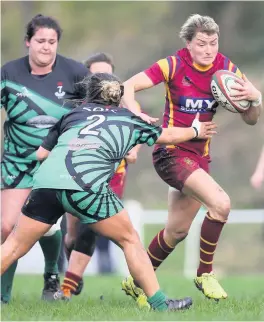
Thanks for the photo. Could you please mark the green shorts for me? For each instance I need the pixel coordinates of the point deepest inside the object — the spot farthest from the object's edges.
(48, 205)
(18, 174)
(18, 166)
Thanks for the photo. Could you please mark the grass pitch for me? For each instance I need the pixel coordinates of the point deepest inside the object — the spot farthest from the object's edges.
(245, 302)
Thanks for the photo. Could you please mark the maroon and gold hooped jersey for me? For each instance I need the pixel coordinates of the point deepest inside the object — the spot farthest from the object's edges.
(188, 93)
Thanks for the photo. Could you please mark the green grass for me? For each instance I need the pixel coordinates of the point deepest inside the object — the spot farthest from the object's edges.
(245, 302)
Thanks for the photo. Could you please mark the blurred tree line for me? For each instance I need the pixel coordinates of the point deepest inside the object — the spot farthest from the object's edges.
(139, 33)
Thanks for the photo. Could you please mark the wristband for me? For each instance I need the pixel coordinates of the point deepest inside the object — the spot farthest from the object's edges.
(196, 132)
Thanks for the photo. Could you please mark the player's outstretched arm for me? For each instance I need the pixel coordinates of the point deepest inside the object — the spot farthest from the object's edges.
(42, 153)
(199, 130)
(134, 84)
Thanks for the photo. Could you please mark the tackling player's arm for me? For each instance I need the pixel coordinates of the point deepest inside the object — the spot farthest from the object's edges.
(199, 130)
(151, 134)
(49, 142)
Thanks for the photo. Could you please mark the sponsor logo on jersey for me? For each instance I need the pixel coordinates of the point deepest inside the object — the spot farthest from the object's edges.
(42, 121)
(194, 105)
(81, 144)
(24, 93)
(60, 93)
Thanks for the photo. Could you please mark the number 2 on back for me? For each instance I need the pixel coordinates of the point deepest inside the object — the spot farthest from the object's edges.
(88, 129)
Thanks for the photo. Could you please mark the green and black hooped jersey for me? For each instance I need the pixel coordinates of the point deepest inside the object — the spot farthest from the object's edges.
(33, 104)
(87, 146)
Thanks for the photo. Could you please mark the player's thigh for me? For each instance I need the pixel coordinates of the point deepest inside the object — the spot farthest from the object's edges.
(12, 201)
(26, 233)
(104, 212)
(174, 166)
(118, 228)
(204, 188)
(182, 209)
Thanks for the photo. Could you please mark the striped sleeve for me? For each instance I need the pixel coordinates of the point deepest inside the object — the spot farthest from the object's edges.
(228, 65)
(163, 70)
(146, 133)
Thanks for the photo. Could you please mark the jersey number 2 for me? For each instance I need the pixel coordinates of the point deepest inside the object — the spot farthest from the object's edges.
(88, 129)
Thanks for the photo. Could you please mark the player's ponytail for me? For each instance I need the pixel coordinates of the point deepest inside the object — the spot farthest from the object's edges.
(111, 92)
(100, 88)
(103, 88)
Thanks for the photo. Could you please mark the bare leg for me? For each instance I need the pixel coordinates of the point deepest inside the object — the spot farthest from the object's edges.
(72, 230)
(26, 233)
(78, 263)
(12, 200)
(182, 210)
(119, 228)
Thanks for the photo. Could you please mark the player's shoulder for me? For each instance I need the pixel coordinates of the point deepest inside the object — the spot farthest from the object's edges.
(222, 60)
(170, 60)
(73, 66)
(225, 63)
(221, 57)
(12, 65)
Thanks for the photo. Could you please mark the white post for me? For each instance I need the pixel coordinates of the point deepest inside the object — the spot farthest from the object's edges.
(135, 212)
(192, 246)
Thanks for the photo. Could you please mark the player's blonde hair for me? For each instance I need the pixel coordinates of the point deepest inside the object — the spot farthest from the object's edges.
(197, 23)
(101, 88)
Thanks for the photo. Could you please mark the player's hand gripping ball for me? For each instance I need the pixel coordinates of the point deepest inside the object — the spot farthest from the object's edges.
(221, 87)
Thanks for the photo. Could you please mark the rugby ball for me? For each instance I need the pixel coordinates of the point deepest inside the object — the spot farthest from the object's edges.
(221, 83)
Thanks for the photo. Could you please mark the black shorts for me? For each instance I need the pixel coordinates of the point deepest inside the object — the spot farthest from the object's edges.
(48, 205)
(43, 205)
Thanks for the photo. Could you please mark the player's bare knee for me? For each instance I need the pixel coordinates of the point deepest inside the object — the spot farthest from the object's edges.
(69, 240)
(221, 208)
(130, 238)
(6, 230)
(176, 235)
(13, 247)
(19, 251)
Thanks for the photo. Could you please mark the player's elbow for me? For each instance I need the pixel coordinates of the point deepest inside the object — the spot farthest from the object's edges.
(129, 85)
(251, 121)
(42, 154)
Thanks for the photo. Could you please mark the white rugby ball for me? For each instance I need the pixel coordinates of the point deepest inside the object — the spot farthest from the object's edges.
(221, 83)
